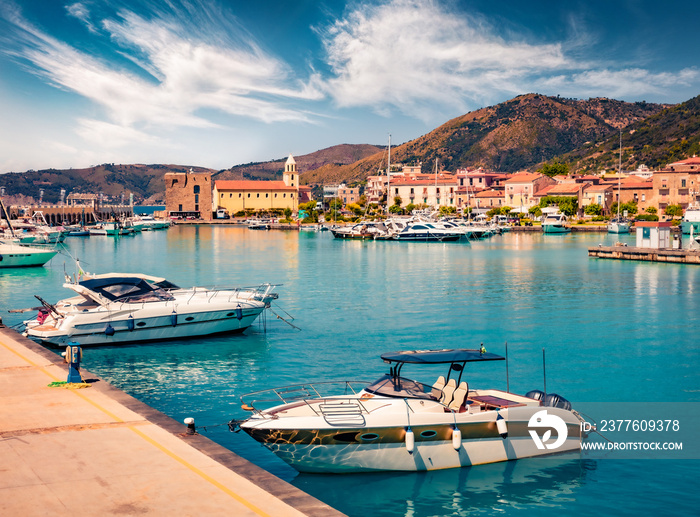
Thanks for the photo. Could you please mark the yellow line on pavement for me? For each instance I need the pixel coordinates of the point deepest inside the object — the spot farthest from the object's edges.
(197, 471)
(153, 442)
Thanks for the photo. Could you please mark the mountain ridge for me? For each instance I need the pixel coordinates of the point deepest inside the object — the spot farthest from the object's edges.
(519, 134)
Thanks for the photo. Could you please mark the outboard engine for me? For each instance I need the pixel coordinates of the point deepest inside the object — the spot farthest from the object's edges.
(554, 400)
(535, 395)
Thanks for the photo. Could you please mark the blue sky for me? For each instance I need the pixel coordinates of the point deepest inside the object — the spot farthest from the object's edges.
(218, 83)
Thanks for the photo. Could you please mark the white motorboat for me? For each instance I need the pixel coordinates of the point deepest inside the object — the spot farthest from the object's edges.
(555, 223)
(16, 255)
(120, 308)
(619, 225)
(424, 231)
(148, 222)
(360, 231)
(396, 423)
(691, 219)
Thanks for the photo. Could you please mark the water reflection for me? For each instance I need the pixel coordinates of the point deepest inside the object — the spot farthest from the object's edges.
(486, 489)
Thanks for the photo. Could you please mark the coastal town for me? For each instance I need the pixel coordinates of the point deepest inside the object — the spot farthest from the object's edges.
(370, 258)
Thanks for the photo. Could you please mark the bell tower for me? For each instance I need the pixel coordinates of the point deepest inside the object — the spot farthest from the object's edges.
(291, 177)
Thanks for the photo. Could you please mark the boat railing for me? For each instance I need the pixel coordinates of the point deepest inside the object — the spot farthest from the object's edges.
(258, 401)
(262, 292)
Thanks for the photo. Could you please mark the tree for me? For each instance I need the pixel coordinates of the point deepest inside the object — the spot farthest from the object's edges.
(630, 206)
(308, 207)
(287, 213)
(397, 201)
(445, 210)
(355, 208)
(593, 209)
(568, 205)
(396, 209)
(335, 204)
(674, 210)
(651, 210)
(554, 169)
(505, 210)
(535, 211)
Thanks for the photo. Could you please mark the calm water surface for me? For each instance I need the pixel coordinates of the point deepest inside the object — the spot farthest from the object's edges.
(613, 331)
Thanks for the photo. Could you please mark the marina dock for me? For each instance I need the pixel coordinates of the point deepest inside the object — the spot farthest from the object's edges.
(676, 256)
(101, 451)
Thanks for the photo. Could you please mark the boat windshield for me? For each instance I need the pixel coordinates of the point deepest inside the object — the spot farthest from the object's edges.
(127, 290)
(401, 387)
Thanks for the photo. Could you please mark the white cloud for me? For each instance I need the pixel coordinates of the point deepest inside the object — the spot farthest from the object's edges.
(82, 13)
(183, 73)
(619, 84)
(111, 136)
(423, 59)
(414, 53)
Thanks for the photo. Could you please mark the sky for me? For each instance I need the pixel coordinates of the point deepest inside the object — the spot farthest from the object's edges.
(217, 83)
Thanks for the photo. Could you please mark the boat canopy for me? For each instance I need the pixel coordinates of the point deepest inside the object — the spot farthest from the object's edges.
(125, 289)
(457, 355)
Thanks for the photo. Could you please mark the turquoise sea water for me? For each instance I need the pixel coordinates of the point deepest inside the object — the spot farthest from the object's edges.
(613, 332)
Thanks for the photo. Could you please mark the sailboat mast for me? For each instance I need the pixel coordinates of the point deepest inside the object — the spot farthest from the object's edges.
(437, 200)
(619, 174)
(388, 168)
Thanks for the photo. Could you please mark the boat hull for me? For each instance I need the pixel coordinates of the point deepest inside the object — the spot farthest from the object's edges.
(427, 237)
(92, 330)
(18, 256)
(376, 448)
(555, 229)
(618, 228)
(687, 225)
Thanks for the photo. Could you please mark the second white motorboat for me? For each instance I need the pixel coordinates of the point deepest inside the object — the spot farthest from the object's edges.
(120, 308)
(396, 423)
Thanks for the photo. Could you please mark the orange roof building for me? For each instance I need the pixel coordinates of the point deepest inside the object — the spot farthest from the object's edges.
(244, 195)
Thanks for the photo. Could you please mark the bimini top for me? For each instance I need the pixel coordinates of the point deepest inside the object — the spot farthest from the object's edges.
(456, 355)
(123, 289)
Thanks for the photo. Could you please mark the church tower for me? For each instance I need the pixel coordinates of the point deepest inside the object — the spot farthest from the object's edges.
(291, 177)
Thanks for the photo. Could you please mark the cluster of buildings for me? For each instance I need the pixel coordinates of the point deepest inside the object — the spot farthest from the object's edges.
(676, 184)
(195, 195)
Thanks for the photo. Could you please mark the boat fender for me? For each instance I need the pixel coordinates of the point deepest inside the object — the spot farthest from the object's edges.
(502, 426)
(410, 441)
(456, 438)
(0, 258)
(109, 330)
(239, 312)
(173, 318)
(130, 323)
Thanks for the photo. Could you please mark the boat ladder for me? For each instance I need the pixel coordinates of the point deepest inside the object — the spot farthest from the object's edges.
(342, 413)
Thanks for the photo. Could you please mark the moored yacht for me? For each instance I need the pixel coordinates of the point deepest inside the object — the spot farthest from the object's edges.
(397, 423)
(555, 223)
(120, 308)
(13, 254)
(691, 219)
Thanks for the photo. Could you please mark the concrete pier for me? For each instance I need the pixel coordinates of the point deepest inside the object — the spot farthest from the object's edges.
(675, 256)
(99, 451)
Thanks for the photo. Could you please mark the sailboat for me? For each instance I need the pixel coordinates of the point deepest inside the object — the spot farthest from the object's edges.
(619, 224)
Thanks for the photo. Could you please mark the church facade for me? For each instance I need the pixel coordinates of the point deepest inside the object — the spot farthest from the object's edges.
(240, 195)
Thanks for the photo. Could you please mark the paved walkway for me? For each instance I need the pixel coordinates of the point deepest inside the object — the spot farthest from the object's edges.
(99, 451)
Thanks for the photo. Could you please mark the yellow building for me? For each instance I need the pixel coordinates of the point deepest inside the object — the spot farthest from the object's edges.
(240, 195)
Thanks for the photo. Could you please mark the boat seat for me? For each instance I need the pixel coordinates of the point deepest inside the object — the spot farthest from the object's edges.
(458, 397)
(448, 392)
(437, 387)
